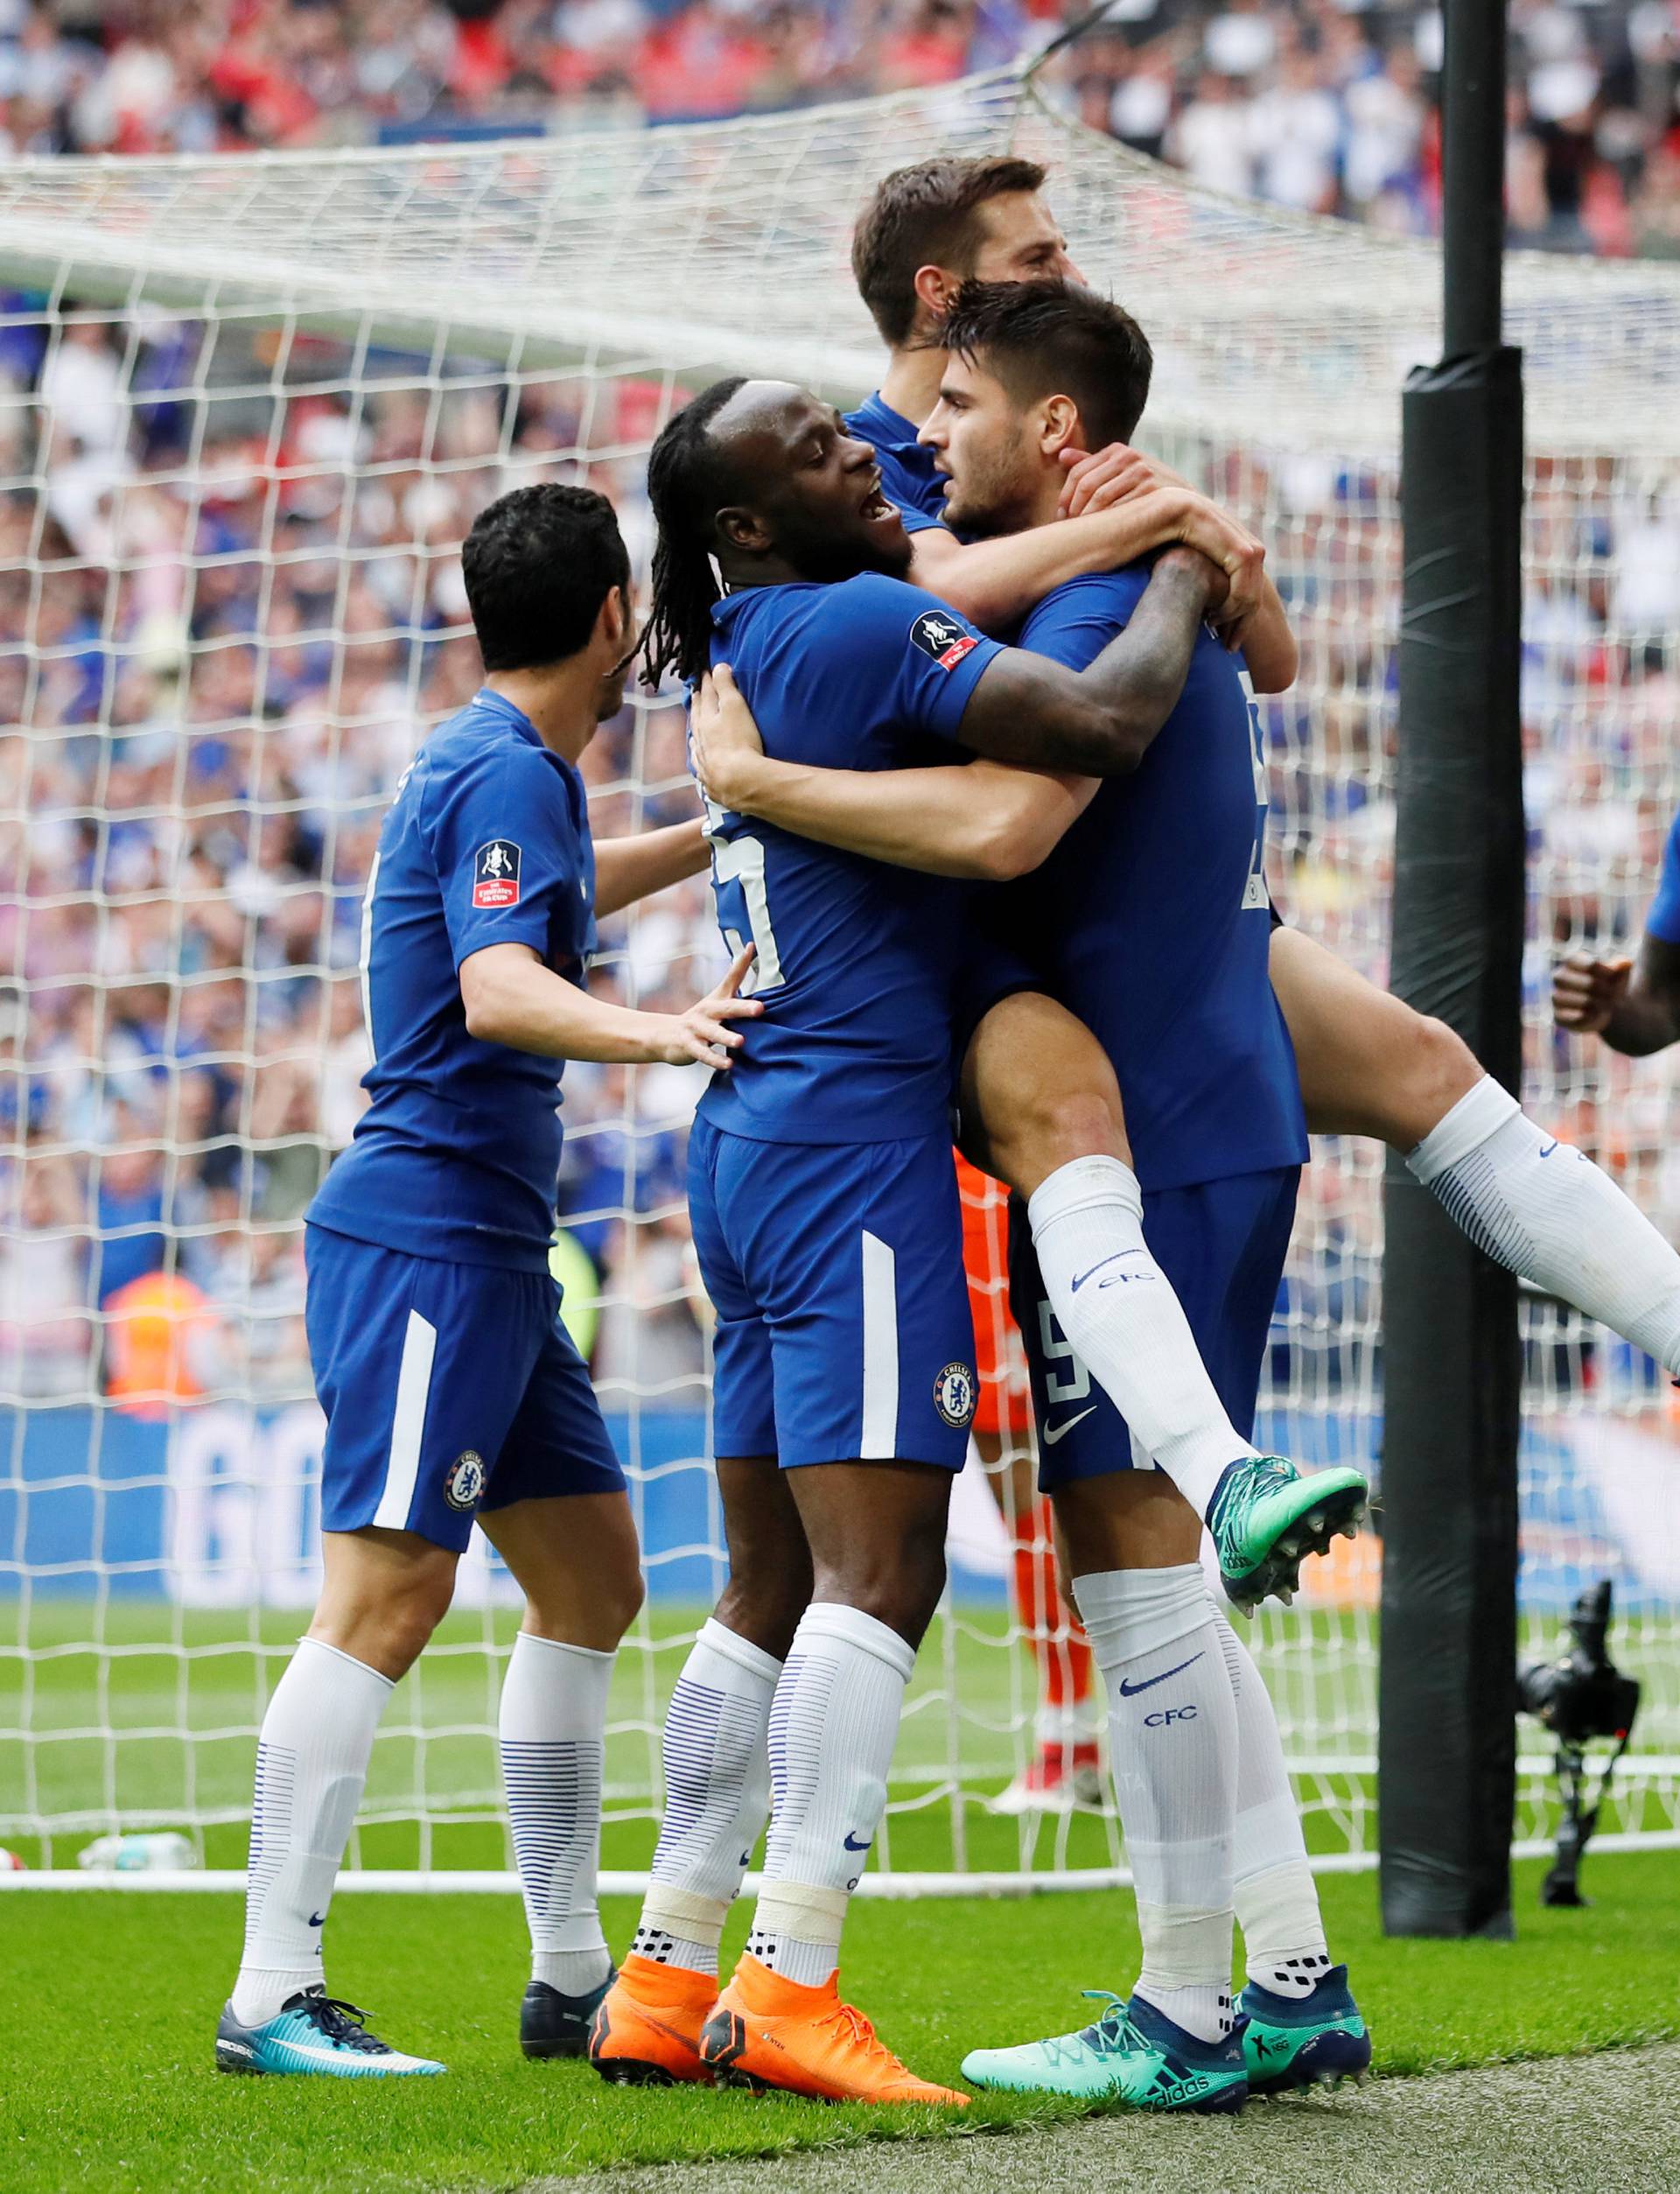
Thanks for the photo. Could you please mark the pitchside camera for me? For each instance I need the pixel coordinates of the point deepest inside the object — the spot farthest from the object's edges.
(1579, 1698)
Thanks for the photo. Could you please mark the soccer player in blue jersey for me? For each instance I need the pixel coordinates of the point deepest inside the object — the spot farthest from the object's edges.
(451, 1390)
(1368, 1063)
(824, 1210)
(1149, 920)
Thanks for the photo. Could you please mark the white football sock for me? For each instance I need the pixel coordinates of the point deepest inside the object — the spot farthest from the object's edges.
(312, 1762)
(1544, 1211)
(1172, 1738)
(717, 1760)
(552, 1734)
(1276, 1896)
(1118, 1310)
(833, 1726)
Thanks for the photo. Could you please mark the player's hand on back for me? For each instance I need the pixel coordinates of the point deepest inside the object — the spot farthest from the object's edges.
(702, 1033)
(724, 739)
(1587, 991)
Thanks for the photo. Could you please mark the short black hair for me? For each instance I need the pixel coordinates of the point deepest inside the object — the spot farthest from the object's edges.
(924, 216)
(1056, 338)
(538, 564)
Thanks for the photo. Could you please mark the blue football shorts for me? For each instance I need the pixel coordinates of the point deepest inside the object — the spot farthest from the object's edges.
(836, 1271)
(448, 1389)
(1222, 1245)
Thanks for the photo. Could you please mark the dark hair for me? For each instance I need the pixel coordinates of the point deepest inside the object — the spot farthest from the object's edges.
(1048, 339)
(538, 564)
(924, 216)
(689, 481)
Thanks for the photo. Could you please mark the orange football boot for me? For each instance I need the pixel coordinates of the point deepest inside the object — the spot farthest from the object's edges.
(646, 2030)
(769, 2032)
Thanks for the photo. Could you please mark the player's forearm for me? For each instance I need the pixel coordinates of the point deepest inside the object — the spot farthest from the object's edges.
(633, 868)
(520, 1002)
(1269, 645)
(995, 583)
(1642, 1023)
(985, 821)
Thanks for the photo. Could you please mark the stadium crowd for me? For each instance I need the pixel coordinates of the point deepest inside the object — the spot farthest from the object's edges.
(1326, 106)
(288, 588)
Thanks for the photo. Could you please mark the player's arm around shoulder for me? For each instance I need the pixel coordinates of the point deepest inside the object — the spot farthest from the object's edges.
(510, 998)
(1100, 721)
(986, 820)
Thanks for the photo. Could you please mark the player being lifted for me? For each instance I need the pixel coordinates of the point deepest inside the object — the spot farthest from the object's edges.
(823, 1209)
(450, 1389)
(1150, 920)
(1369, 1064)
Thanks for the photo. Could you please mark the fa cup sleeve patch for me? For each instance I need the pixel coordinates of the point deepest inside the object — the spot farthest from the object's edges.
(495, 874)
(940, 634)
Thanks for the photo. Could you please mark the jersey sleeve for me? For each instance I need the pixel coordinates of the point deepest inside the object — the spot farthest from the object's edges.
(508, 853)
(1074, 625)
(927, 657)
(1663, 919)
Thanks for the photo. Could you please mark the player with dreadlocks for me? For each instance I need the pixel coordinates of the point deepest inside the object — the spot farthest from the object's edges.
(825, 1217)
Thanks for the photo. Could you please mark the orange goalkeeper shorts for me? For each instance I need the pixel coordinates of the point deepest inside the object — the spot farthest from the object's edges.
(1004, 1404)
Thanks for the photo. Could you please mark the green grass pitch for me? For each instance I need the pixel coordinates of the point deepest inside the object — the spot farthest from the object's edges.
(108, 2004)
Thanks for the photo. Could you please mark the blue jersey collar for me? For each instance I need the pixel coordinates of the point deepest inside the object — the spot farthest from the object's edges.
(515, 720)
(875, 409)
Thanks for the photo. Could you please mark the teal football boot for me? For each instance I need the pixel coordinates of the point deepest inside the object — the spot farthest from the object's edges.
(314, 2034)
(1266, 1518)
(1302, 2041)
(1135, 2057)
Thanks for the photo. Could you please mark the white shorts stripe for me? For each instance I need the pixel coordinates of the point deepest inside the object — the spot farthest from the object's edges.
(880, 1441)
(408, 1424)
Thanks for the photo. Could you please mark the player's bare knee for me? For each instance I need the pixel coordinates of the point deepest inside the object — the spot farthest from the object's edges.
(763, 1602)
(900, 1588)
(1426, 1069)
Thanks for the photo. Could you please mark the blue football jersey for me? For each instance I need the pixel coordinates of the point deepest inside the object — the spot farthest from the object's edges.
(856, 960)
(1151, 920)
(1663, 919)
(907, 475)
(486, 842)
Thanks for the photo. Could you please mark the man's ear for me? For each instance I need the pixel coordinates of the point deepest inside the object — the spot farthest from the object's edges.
(934, 289)
(612, 625)
(1059, 427)
(741, 529)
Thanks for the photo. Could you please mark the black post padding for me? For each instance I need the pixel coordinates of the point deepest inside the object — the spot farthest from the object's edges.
(1452, 1363)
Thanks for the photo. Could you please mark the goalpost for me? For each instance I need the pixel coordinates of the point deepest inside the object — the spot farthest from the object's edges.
(247, 407)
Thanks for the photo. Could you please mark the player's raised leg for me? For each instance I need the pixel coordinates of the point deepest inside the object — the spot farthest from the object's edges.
(575, 1559)
(1133, 1543)
(717, 1770)
(1371, 1065)
(1045, 1100)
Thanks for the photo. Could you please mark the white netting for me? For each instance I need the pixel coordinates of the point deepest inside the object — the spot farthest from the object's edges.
(247, 408)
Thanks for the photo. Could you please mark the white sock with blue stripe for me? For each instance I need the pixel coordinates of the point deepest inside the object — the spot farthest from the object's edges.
(311, 1763)
(1127, 1326)
(553, 1743)
(716, 1765)
(832, 1729)
(1542, 1209)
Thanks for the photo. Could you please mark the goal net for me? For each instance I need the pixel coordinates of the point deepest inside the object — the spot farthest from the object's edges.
(247, 409)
